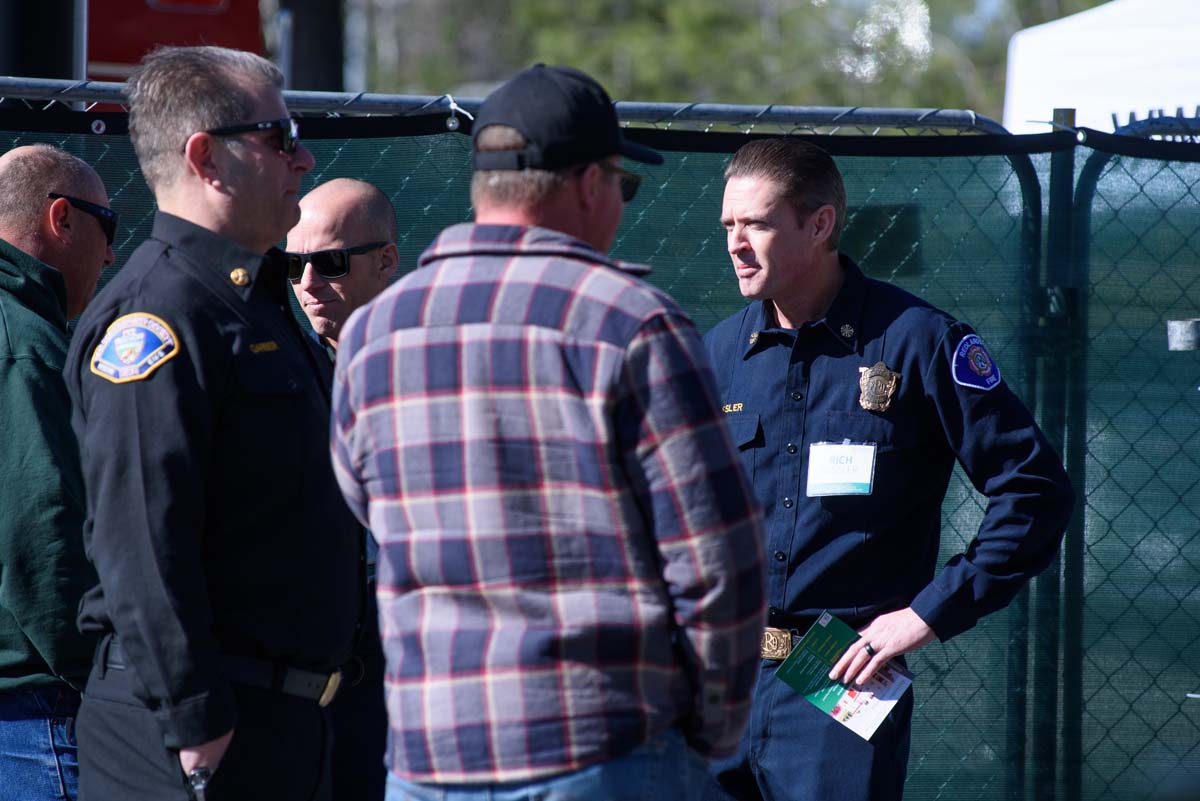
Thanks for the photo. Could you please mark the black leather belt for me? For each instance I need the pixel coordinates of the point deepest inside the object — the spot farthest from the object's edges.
(319, 687)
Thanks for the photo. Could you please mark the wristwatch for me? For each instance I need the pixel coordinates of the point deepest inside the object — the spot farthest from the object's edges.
(198, 780)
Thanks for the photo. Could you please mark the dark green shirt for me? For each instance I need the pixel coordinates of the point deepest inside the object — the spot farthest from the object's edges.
(43, 570)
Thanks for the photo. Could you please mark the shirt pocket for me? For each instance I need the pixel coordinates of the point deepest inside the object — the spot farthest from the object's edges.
(863, 427)
(748, 437)
(266, 418)
(259, 380)
(901, 464)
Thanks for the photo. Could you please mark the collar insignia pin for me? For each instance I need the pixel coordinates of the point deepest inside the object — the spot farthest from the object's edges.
(240, 276)
(847, 331)
(876, 387)
(753, 337)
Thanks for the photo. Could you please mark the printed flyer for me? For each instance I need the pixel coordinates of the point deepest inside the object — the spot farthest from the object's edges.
(806, 670)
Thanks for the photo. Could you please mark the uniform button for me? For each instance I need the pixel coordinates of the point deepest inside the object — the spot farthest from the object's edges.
(797, 396)
(787, 503)
(780, 556)
(772, 610)
(292, 385)
(791, 447)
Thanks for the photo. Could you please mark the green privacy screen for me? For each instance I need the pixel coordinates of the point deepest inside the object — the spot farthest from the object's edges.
(1068, 258)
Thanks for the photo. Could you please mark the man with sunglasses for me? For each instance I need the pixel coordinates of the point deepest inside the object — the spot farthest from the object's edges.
(340, 255)
(570, 580)
(229, 568)
(53, 246)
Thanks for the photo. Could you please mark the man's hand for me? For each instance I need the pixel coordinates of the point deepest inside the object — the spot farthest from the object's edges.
(888, 636)
(207, 755)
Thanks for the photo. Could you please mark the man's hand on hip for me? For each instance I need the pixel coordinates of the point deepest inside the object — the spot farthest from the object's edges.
(887, 636)
(207, 755)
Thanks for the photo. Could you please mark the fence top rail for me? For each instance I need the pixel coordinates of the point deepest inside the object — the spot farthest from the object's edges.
(334, 103)
(1187, 128)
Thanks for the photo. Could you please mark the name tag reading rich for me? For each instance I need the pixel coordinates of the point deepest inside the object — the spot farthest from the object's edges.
(840, 469)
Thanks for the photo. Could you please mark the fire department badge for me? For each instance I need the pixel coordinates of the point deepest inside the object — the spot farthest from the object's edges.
(876, 387)
(973, 366)
(129, 345)
(133, 347)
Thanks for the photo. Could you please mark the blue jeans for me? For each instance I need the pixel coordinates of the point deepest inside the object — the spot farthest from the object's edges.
(38, 756)
(664, 769)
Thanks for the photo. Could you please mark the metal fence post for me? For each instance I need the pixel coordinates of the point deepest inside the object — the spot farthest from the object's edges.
(1017, 662)
(1057, 318)
(1076, 459)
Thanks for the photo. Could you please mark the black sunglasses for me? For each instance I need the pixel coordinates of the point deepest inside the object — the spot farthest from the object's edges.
(630, 181)
(107, 218)
(289, 132)
(333, 263)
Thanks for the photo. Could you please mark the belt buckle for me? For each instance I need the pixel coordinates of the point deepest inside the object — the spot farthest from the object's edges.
(776, 643)
(331, 688)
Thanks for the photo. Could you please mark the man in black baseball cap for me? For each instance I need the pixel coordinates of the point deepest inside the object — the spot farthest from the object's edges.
(565, 117)
(570, 576)
(544, 132)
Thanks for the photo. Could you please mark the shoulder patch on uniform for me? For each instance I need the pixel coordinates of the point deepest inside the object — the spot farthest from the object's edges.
(973, 366)
(133, 347)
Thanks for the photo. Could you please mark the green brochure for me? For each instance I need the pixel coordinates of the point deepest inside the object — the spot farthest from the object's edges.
(806, 670)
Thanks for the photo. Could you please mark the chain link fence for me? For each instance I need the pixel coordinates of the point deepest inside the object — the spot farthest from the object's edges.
(1077, 691)
(1137, 250)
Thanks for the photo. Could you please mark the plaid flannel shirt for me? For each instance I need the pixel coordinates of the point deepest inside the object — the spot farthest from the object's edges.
(570, 558)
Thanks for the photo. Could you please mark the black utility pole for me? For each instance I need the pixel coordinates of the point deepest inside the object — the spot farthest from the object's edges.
(317, 51)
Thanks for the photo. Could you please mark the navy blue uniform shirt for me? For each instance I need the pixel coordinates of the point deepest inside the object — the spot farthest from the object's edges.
(864, 555)
(214, 521)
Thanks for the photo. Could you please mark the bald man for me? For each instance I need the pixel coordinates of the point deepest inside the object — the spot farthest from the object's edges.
(55, 237)
(342, 254)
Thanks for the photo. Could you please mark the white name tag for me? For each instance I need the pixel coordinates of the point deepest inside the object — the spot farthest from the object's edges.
(843, 469)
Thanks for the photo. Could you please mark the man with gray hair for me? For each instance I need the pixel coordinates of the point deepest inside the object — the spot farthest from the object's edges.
(229, 568)
(56, 234)
(570, 577)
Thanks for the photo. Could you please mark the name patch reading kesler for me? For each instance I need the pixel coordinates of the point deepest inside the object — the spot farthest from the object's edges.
(133, 347)
(973, 366)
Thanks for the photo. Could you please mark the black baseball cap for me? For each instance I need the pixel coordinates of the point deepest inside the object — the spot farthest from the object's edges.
(565, 116)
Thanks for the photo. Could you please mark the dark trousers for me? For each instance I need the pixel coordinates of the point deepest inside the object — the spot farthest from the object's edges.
(791, 751)
(280, 748)
(360, 719)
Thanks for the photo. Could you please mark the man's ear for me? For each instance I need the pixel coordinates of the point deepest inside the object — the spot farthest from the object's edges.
(589, 186)
(57, 220)
(200, 158)
(389, 263)
(823, 220)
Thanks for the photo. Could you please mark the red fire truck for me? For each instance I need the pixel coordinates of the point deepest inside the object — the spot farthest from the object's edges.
(120, 32)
